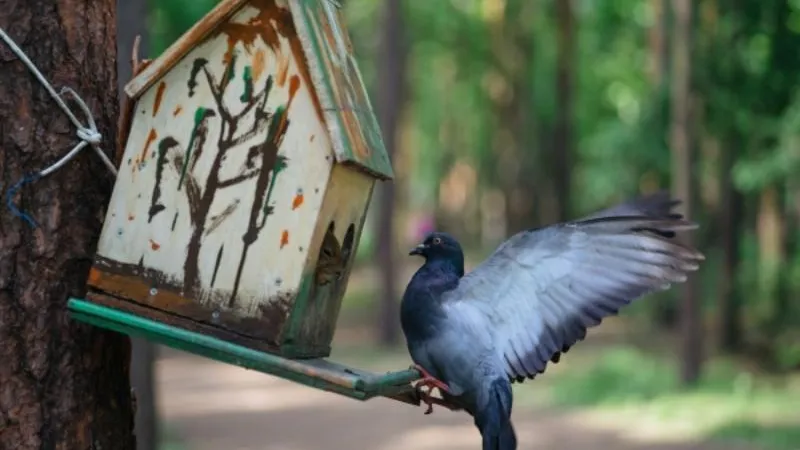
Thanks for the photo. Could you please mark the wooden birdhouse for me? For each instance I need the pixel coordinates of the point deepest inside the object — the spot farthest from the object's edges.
(245, 180)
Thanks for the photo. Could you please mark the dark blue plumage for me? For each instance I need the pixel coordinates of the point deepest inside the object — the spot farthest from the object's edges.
(473, 335)
(424, 321)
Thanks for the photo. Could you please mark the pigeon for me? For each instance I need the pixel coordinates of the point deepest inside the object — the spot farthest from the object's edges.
(472, 335)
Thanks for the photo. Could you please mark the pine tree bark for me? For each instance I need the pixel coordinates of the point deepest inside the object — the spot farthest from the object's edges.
(63, 384)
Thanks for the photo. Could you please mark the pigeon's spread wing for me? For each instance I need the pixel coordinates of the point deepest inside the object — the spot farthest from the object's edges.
(658, 204)
(542, 289)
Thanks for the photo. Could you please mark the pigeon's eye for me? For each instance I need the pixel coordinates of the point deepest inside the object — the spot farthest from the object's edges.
(437, 241)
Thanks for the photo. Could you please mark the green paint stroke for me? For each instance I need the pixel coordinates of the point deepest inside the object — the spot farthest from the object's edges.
(230, 71)
(247, 95)
(280, 165)
(274, 138)
(199, 115)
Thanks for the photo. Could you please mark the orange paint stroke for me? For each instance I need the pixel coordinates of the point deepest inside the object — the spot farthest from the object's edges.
(159, 97)
(177, 111)
(284, 238)
(297, 201)
(154, 245)
(283, 70)
(94, 276)
(259, 62)
(294, 85)
(151, 137)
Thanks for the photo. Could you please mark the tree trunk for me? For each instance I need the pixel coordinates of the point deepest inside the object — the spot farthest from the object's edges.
(771, 248)
(562, 136)
(683, 181)
(131, 20)
(63, 384)
(729, 327)
(391, 71)
(657, 37)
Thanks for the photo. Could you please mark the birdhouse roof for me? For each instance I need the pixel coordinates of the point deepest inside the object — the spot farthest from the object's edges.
(318, 37)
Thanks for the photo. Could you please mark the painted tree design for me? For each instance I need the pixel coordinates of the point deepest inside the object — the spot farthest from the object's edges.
(262, 162)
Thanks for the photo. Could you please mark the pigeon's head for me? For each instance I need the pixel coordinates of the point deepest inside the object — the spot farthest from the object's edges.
(439, 246)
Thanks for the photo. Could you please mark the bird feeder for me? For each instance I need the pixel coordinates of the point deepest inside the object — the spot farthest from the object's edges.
(246, 175)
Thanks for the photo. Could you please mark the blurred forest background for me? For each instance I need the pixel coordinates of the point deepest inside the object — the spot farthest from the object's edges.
(508, 114)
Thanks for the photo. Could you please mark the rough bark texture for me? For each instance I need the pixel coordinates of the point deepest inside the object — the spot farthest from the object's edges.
(63, 385)
(131, 18)
(390, 103)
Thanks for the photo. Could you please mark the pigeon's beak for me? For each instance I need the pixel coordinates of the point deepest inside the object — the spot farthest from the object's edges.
(418, 250)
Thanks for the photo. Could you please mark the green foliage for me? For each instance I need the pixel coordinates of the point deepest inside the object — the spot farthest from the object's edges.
(728, 403)
(772, 437)
(482, 91)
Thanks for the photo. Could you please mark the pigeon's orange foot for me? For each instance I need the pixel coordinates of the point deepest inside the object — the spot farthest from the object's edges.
(428, 399)
(430, 381)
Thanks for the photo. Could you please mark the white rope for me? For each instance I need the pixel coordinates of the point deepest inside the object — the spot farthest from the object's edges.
(87, 134)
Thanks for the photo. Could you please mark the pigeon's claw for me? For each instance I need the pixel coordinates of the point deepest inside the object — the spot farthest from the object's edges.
(430, 381)
(426, 397)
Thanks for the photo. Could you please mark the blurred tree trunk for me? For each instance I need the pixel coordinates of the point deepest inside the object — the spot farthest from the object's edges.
(562, 136)
(518, 131)
(131, 21)
(771, 246)
(729, 302)
(63, 384)
(681, 143)
(391, 79)
(658, 43)
(664, 313)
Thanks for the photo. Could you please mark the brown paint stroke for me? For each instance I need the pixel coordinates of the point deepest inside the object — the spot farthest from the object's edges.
(218, 219)
(162, 86)
(270, 22)
(154, 245)
(216, 265)
(178, 110)
(151, 137)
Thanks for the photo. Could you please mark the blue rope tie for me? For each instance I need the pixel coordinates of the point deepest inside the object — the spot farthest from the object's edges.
(10, 198)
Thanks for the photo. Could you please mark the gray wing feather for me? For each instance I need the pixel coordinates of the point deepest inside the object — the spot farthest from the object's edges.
(541, 290)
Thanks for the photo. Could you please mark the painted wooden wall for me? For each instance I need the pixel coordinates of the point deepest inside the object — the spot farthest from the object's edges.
(225, 171)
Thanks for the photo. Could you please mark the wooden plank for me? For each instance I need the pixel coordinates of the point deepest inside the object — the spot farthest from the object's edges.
(181, 47)
(352, 124)
(104, 311)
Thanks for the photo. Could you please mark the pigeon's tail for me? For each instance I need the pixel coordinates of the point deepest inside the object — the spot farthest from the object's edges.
(493, 418)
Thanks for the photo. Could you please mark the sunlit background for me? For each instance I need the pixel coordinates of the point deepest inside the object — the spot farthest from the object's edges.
(509, 114)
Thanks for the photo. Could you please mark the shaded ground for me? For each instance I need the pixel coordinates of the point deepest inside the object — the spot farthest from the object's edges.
(214, 406)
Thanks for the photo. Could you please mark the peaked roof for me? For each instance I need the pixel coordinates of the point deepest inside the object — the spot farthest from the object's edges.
(315, 28)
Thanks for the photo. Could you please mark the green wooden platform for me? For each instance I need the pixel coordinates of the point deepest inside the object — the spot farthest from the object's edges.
(317, 373)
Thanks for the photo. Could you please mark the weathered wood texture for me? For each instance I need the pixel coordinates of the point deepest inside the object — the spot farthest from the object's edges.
(228, 186)
(348, 111)
(63, 385)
